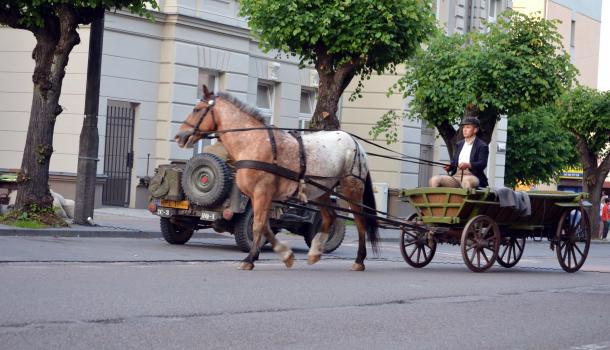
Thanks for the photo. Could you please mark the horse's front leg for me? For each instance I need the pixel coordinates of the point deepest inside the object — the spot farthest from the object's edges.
(281, 248)
(319, 240)
(261, 204)
(260, 208)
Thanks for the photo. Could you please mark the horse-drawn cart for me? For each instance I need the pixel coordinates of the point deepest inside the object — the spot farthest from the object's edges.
(488, 232)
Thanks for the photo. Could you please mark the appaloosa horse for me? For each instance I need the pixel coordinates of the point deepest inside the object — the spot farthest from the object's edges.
(331, 158)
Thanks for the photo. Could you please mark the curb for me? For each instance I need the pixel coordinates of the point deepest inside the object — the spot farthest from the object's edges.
(85, 232)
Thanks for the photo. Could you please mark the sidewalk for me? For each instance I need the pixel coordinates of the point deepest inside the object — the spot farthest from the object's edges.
(109, 222)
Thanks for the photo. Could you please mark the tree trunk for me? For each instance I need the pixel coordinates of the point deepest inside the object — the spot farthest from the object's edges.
(330, 88)
(593, 178)
(592, 184)
(487, 119)
(89, 137)
(54, 42)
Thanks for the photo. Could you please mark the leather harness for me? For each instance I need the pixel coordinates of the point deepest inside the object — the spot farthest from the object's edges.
(274, 168)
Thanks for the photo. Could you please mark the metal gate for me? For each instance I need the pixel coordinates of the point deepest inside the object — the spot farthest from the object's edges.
(118, 155)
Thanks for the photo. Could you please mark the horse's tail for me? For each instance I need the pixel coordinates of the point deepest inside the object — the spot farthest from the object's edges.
(372, 226)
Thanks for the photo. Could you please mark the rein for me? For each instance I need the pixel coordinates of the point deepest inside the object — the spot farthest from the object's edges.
(403, 157)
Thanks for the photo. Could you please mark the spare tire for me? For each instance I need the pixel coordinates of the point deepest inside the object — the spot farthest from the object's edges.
(207, 180)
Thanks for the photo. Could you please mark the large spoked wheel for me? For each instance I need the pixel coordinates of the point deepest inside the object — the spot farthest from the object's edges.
(480, 243)
(511, 250)
(573, 239)
(415, 246)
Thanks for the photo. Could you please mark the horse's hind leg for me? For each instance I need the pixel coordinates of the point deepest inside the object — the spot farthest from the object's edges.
(353, 190)
(319, 240)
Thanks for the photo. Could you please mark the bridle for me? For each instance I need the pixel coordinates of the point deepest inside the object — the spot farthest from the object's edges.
(209, 109)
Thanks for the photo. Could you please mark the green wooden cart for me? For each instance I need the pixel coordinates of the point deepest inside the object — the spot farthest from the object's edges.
(487, 232)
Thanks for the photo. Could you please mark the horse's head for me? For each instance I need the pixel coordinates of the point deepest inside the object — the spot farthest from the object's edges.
(200, 120)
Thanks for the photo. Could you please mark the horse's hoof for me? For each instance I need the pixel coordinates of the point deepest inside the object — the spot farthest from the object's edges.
(357, 267)
(289, 261)
(247, 266)
(312, 259)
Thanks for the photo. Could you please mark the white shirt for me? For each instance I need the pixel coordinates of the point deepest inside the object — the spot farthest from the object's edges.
(465, 153)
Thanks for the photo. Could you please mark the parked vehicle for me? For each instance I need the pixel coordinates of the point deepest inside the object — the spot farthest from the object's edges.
(201, 193)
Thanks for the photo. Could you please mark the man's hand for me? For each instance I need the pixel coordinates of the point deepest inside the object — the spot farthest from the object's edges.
(464, 166)
(447, 167)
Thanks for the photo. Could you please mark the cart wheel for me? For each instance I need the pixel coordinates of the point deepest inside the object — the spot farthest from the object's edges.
(416, 248)
(573, 239)
(511, 250)
(480, 243)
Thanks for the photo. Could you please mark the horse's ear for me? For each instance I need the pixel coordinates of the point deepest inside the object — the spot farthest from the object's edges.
(207, 94)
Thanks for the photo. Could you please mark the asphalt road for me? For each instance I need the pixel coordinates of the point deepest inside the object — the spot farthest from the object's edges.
(98, 293)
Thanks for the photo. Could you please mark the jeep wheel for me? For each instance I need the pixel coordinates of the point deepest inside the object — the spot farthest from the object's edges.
(207, 179)
(242, 230)
(336, 233)
(175, 234)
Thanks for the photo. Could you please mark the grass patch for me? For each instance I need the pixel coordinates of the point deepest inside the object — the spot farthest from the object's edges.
(36, 219)
(27, 224)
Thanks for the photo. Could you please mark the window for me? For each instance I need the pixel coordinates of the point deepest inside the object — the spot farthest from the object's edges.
(264, 101)
(572, 32)
(209, 79)
(308, 105)
(495, 7)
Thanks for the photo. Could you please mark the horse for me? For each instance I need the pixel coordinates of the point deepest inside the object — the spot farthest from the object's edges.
(331, 157)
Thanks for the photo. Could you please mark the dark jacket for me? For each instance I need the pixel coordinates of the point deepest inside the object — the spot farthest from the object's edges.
(478, 160)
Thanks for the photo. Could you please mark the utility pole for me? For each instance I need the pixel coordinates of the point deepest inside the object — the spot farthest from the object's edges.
(89, 137)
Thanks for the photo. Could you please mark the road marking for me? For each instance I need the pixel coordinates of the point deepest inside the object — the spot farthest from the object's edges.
(604, 345)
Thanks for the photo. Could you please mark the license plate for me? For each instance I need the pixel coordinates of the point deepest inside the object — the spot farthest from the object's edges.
(165, 212)
(210, 216)
(175, 204)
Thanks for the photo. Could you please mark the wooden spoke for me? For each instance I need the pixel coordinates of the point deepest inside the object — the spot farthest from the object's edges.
(514, 245)
(424, 247)
(574, 227)
(479, 234)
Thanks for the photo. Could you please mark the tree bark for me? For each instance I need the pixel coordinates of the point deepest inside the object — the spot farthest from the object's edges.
(593, 178)
(487, 119)
(331, 86)
(89, 137)
(54, 42)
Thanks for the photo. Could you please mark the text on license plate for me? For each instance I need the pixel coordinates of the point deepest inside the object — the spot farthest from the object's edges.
(174, 204)
(210, 215)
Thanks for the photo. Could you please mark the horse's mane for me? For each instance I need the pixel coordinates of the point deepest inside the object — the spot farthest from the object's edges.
(244, 107)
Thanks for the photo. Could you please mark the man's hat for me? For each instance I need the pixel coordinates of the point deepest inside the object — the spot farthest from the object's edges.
(471, 121)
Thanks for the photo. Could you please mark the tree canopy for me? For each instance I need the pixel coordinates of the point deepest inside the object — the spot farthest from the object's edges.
(517, 65)
(33, 14)
(342, 38)
(538, 148)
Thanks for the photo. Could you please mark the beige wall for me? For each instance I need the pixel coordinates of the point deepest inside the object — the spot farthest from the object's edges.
(16, 99)
(586, 50)
(530, 7)
(358, 117)
(585, 53)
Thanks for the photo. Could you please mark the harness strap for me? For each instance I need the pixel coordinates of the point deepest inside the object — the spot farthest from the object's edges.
(302, 156)
(268, 167)
(273, 144)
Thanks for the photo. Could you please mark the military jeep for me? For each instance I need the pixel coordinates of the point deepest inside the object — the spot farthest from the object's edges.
(201, 193)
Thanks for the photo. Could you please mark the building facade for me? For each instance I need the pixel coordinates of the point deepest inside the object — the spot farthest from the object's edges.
(152, 73)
